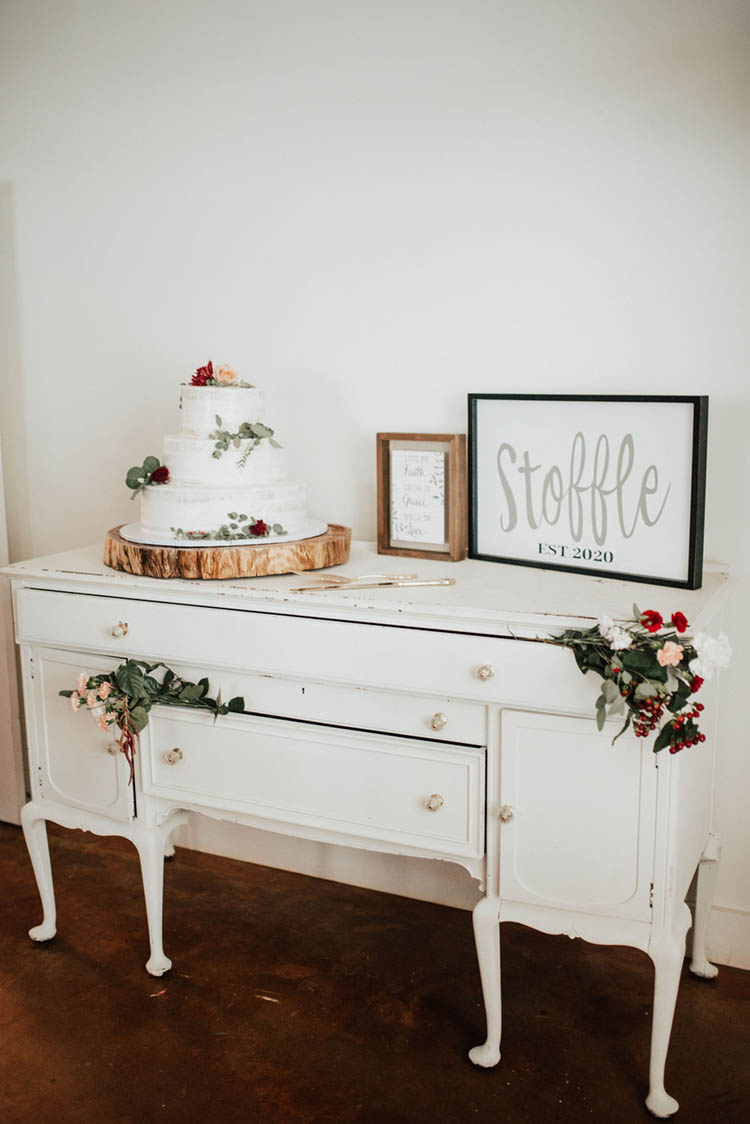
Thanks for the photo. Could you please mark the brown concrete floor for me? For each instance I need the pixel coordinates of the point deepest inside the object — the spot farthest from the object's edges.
(298, 1001)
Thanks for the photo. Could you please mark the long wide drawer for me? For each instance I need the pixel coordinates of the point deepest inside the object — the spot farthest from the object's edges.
(422, 795)
(420, 660)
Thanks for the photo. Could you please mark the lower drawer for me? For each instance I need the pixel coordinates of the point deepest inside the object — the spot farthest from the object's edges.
(423, 795)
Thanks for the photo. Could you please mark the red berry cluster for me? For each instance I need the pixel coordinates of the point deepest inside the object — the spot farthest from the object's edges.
(684, 731)
(649, 712)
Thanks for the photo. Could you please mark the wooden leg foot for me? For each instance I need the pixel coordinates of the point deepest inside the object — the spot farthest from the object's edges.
(704, 896)
(667, 950)
(35, 833)
(486, 918)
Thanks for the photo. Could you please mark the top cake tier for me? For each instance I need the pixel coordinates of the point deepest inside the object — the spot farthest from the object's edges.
(200, 406)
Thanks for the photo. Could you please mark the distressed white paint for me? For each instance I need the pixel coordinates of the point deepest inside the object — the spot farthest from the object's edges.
(560, 830)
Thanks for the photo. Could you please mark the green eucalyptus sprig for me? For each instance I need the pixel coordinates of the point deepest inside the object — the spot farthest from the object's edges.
(252, 432)
(649, 672)
(150, 472)
(239, 527)
(124, 697)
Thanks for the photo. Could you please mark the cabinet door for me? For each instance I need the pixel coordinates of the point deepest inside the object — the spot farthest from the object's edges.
(579, 822)
(71, 758)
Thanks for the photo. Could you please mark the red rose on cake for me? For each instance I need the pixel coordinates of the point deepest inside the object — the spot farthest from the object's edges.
(160, 475)
(259, 528)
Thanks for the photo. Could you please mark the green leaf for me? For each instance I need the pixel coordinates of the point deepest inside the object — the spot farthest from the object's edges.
(637, 612)
(218, 421)
(617, 706)
(610, 690)
(646, 690)
(203, 684)
(191, 692)
(139, 718)
(134, 477)
(168, 677)
(150, 465)
(273, 442)
(636, 659)
(151, 685)
(601, 717)
(278, 529)
(65, 694)
(664, 738)
(130, 678)
(236, 705)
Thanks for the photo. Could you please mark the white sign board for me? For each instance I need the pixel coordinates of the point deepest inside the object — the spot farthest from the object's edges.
(602, 485)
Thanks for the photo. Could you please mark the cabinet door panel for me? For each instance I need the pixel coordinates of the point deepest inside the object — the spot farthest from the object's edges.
(70, 760)
(581, 833)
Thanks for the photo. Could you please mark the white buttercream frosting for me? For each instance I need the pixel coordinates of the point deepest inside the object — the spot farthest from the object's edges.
(200, 405)
(205, 491)
(191, 460)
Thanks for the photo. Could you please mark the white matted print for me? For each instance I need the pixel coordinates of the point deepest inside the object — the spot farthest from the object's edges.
(603, 484)
(418, 499)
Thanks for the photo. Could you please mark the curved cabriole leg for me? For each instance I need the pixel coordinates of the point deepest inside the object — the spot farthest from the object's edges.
(150, 845)
(667, 950)
(486, 918)
(35, 833)
(704, 896)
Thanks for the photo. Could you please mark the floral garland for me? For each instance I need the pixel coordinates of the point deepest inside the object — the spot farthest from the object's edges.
(223, 376)
(124, 697)
(253, 432)
(150, 472)
(239, 527)
(647, 669)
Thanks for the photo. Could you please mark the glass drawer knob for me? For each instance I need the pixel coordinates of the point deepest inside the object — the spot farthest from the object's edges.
(172, 756)
(486, 671)
(506, 813)
(439, 720)
(434, 803)
(120, 629)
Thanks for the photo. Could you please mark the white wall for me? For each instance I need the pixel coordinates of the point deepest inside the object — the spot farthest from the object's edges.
(371, 208)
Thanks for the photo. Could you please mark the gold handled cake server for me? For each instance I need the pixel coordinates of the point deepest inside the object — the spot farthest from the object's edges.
(373, 585)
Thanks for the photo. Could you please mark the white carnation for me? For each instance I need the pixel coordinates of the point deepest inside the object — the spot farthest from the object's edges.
(619, 638)
(606, 624)
(714, 653)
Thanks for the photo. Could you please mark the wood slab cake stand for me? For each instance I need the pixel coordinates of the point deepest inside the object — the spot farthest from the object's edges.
(235, 561)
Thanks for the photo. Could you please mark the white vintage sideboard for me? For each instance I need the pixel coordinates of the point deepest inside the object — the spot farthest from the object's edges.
(424, 722)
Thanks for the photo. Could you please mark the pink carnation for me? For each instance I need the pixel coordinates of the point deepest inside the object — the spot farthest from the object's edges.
(81, 682)
(670, 655)
(75, 701)
(91, 698)
(104, 689)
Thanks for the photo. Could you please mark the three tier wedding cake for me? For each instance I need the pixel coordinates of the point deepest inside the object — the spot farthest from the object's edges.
(223, 478)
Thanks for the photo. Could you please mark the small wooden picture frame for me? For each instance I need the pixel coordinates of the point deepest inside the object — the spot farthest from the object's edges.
(422, 495)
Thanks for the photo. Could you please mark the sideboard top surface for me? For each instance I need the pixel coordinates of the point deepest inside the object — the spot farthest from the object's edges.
(488, 597)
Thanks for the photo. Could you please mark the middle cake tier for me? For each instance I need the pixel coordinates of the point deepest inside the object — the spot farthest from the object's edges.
(191, 460)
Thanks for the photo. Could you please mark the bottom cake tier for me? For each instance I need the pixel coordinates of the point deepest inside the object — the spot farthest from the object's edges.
(172, 513)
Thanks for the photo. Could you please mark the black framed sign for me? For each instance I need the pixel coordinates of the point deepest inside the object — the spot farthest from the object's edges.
(612, 485)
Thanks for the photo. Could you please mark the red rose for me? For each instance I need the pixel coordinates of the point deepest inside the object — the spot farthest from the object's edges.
(695, 684)
(651, 620)
(203, 375)
(259, 528)
(679, 620)
(160, 475)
